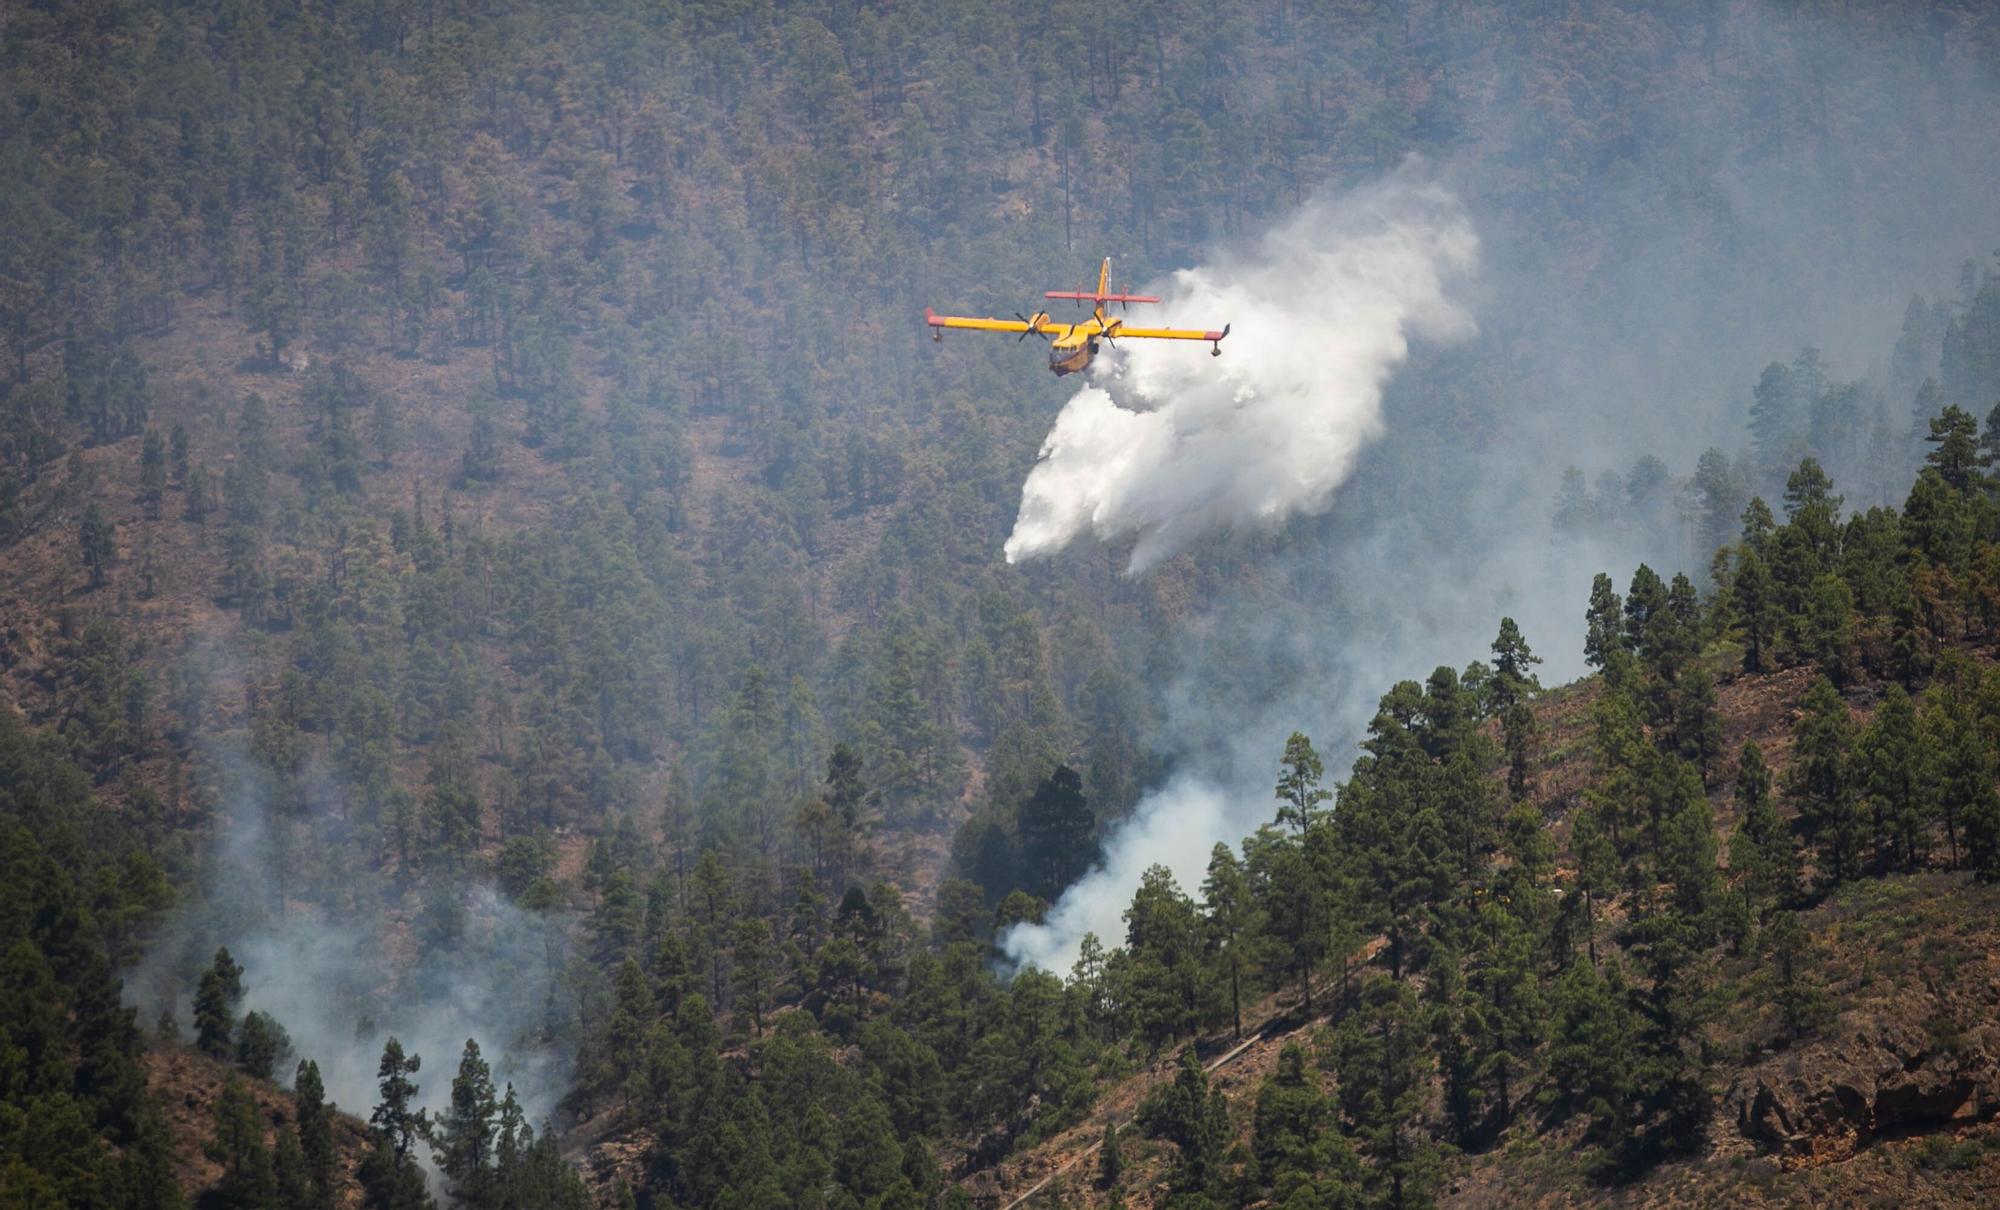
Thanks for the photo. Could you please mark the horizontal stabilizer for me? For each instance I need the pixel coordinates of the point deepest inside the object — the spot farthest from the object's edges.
(1117, 298)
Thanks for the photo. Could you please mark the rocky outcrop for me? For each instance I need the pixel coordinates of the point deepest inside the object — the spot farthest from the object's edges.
(1825, 1101)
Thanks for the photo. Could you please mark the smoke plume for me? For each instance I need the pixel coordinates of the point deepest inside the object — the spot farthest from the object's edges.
(1323, 308)
(1187, 809)
(1170, 444)
(344, 957)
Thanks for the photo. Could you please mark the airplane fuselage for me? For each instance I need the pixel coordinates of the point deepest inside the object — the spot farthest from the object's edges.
(1073, 360)
(1075, 345)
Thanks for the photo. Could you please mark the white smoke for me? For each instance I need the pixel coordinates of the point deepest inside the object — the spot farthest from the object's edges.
(1176, 827)
(341, 997)
(343, 957)
(1321, 309)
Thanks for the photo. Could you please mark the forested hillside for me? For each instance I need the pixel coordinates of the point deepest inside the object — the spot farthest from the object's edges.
(504, 636)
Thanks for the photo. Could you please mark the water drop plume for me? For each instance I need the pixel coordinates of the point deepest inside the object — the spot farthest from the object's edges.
(1167, 444)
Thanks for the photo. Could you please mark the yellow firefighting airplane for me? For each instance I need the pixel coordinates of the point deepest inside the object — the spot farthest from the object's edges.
(1071, 346)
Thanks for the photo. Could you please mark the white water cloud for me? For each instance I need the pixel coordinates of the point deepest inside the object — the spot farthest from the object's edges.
(1169, 444)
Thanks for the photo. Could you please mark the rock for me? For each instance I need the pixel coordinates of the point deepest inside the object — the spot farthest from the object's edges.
(1827, 1100)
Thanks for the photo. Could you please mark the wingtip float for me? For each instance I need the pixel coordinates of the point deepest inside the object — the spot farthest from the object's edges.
(1073, 345)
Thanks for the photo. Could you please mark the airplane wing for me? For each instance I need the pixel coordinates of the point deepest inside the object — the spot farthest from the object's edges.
(987, 325)
(1123, 330)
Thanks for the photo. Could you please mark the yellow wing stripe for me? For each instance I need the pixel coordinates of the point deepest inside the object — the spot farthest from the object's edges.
(1121, 332)
(978, 325)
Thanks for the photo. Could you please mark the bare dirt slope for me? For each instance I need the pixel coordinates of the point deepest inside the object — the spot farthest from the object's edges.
(188, 1085)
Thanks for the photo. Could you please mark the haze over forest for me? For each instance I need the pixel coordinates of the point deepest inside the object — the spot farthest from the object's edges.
(531, 681)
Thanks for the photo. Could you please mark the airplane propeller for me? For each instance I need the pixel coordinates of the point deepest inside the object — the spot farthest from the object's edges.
(1032, 327)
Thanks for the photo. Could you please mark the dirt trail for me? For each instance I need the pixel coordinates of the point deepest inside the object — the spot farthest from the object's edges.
(1093, 1148)
(1282, 1023)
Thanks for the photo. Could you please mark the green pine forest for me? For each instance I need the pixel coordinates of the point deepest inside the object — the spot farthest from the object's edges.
(487, 545)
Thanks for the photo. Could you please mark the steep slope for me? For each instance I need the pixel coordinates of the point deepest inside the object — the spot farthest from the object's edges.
(187, 1085)
(1894, 1098)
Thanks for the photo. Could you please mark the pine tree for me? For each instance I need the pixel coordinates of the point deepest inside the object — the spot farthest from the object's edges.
(1757, 524)
(262, 1046)
(1619, 759)
(624, 1036)
(1684, 604)
(463, 1137)
(1802, 1002)
(1777, 416)
(1513, 678)
(1518, 730)
(1811, 508)
(1574, 514)
(288, 1170)
(512, 1137)
(1057, 830)
(1110, 1158)
(1720, 489)
(1592, 1049)
(215, 999)
(152, 474)
(1226, 898)
(1647, 618)
(98, 541)
(389, 1183)
(846, 793)
(1195, 1118)
(1970, 798)
(1695, 725)
(1820, 782)
(1887, 758)
(1385, 1074)
(1167, 976)
(1827, 633)
(389, 1175)
(237, 1143)
(1754, 599)
(1955, 437)
(200, 501)
(396, 1118)
(1945, 769)
(1507, 1011)
(1466, 805)
(1603, 622)
(1299, 791)
(1690, 853)
(755, 968)
(1295, 909)
(1762, 846)
(1300, 1158)
(177, 452)
(869, 1161)
(1596, 867)
(1672, 1061)
(315, 1123)
(147, 1169)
